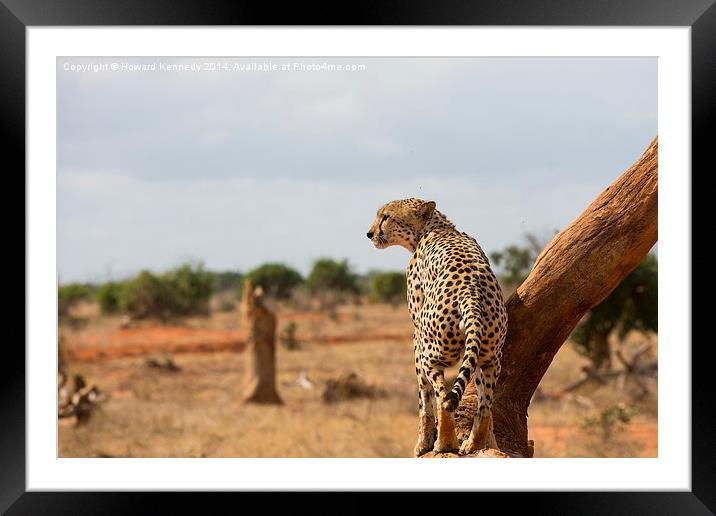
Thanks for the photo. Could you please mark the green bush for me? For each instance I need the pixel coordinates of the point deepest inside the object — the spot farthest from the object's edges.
(109, 296)
(68, 295)
(146, 295)
(73, 292)
(328, 274)
(189, 289)
(276, 279)
(363, 281)
(183, 291)
(388, 287)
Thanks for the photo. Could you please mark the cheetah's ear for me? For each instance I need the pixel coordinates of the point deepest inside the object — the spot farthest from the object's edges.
(426, 210)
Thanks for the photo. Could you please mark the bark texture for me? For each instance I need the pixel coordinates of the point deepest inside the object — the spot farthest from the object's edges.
(574, 273)
(260, 324)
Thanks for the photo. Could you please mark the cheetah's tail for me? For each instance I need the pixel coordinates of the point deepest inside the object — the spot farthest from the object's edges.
(471, 311)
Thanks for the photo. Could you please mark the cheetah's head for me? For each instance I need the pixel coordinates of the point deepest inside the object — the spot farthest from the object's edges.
(399, 223)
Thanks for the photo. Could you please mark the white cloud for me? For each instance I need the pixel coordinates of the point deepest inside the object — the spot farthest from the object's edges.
(241, 169)
(242, 222)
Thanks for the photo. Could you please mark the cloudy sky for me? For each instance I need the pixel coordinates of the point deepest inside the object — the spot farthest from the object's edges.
(234, 167)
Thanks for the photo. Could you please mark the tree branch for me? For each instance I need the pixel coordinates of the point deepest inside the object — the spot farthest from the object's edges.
(574, 273)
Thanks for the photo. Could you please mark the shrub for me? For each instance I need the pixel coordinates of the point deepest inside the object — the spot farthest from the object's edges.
(183, 291)
(364, 280)
(145, 296)
(330, 274)
(72, 292)
(189, 289)
(68, 295)
(277, 279)
(388, 287)
(109, 297)
(609, 421)
(287, 338)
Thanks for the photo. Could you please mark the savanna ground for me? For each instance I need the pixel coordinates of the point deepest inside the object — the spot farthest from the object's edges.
(196, 411)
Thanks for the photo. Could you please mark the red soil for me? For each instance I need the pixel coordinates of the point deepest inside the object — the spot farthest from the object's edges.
(90, 346)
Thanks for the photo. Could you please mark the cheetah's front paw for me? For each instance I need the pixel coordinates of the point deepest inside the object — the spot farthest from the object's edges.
(421, 448)
(426, 439)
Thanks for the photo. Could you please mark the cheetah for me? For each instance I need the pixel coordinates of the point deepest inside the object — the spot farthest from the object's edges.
(458, 314)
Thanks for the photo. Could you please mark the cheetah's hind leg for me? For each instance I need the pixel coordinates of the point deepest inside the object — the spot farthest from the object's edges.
(482, 434)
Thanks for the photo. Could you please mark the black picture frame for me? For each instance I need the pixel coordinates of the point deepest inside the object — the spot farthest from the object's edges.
(17, 15)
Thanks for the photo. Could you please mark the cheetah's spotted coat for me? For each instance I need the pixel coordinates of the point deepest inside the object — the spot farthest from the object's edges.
(458, 314)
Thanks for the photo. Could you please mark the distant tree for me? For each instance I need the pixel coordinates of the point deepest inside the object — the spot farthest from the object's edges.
(332, 275)
(277, 279)
(514, 263)
(630, 306)
(388, 287)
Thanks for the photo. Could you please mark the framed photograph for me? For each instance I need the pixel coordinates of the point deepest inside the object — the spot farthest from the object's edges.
(266, 254)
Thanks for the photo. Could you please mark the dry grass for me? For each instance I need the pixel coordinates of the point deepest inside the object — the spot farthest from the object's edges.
(196, 412)
(556, 420)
